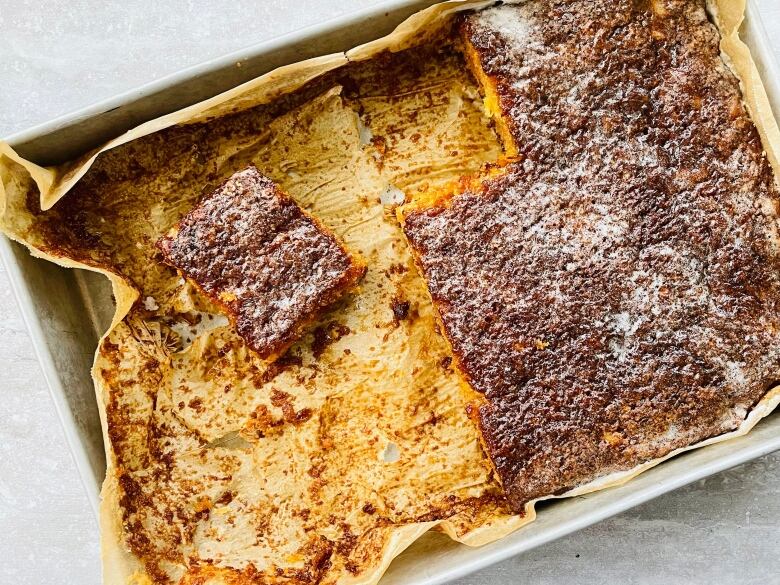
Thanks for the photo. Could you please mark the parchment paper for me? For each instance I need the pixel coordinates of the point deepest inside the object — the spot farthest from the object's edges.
(20, 176)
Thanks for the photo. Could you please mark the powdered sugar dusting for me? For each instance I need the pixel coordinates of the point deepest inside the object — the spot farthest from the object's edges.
(513, 25)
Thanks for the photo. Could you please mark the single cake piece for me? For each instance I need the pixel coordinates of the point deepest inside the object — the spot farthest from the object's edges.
(252, 249)
(614, 294)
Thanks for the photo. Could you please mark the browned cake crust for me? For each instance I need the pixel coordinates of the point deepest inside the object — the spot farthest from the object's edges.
(274, 268)
(614, 295)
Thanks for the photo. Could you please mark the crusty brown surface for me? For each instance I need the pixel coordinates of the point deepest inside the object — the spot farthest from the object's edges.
(614, 295)
(250, 247)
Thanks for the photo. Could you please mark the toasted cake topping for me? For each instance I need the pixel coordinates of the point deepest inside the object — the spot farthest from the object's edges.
(614, 295)
(274, 268)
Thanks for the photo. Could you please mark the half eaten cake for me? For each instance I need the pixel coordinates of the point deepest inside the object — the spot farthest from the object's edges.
(614, 294)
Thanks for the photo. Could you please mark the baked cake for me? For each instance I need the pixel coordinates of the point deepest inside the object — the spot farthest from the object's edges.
(613, 294)
(608, 287)
(253, 250)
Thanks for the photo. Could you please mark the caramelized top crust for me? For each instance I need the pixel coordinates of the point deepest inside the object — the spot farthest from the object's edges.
(614, 295)
(250, 247)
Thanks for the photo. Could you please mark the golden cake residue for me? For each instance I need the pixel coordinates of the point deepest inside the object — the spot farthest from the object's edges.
(234, 469)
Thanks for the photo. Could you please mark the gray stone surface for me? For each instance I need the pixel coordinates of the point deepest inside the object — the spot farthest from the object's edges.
(57, 56)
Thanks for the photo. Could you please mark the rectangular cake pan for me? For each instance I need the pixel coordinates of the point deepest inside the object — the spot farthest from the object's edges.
(66, 311)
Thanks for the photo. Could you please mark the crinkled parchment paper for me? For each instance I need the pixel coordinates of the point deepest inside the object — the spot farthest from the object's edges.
(323, 467)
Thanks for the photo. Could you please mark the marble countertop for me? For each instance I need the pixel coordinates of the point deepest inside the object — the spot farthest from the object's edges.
(725, 529)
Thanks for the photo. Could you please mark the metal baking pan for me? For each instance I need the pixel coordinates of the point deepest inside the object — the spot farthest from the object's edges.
(66, 311)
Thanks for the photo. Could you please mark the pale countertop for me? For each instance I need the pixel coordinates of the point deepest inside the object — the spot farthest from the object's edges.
(725, 529)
